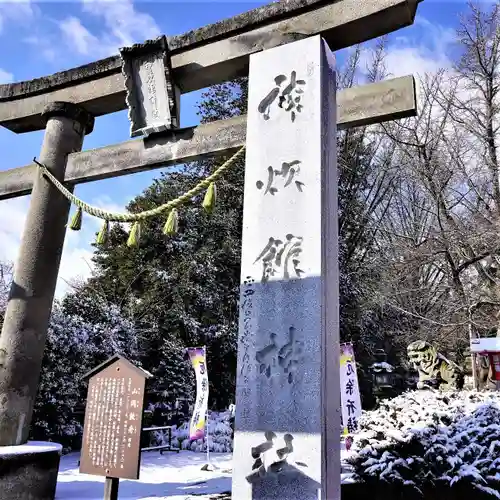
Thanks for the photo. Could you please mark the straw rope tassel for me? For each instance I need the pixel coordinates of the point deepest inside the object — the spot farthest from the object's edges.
(171, 225)
(76, 220)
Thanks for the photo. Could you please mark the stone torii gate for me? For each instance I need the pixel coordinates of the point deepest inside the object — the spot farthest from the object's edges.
(285, 48)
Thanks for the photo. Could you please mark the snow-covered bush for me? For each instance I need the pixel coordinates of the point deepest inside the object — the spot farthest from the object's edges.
(219, 435)
(426, 440)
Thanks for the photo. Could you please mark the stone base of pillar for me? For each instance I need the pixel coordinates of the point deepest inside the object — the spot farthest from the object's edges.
(29, 471)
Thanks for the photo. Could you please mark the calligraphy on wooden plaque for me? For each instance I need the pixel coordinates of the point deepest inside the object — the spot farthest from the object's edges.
(111, 444)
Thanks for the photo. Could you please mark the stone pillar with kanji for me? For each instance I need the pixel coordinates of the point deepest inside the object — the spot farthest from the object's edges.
(287, 427)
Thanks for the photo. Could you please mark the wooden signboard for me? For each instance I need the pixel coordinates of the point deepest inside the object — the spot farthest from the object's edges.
(113, 420)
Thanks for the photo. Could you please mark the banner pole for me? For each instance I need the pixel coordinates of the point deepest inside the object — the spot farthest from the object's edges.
(206, 416)
(208, 466)
(207, 435)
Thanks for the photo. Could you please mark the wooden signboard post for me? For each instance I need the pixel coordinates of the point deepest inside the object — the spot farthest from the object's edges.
(111, 444)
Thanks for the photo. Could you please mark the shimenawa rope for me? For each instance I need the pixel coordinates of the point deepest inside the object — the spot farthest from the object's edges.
(172, 205)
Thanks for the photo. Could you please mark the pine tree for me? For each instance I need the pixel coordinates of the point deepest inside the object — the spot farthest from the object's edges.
(173, 378)
(184, 290)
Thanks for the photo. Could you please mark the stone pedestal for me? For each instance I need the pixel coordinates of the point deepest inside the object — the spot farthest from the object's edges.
(29, 471)
(287, 427)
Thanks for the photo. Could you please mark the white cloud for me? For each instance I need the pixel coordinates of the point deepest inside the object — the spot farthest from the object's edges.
(5, 76)
(19, 11)
(426, 52)
(44, 46)
(104, 202)
(73, 30)
(77, 251)
(127, 25)
(119, 24)
(76, 261)
(12, 217)
(124, 26)
(414, 60)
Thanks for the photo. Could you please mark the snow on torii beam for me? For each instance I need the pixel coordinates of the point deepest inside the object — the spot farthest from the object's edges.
(213, 54)
(373, 103)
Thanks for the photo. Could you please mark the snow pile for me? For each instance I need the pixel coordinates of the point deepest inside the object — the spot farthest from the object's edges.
(220, 435)
(426, 439)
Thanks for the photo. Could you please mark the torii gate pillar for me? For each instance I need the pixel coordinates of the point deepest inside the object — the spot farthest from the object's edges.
(28, 311)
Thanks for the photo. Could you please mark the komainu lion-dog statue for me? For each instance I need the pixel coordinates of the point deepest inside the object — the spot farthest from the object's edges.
(434, 370)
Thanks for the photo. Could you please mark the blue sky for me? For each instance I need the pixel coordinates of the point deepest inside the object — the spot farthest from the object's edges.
(40, 38)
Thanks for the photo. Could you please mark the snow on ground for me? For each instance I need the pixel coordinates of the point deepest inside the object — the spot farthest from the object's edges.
(169, 476)
(172, 476)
